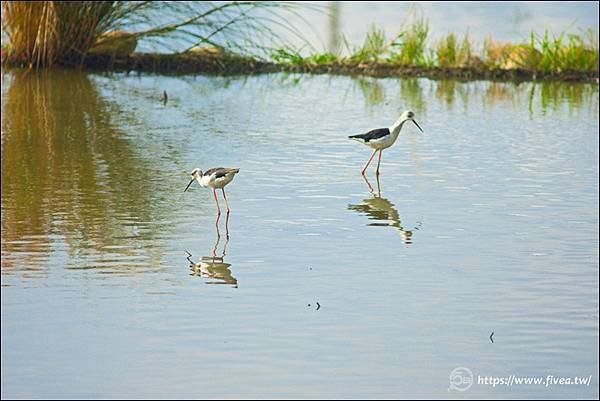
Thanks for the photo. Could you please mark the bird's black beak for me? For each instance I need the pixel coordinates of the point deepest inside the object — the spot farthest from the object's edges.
(186, 188)
(417, 125)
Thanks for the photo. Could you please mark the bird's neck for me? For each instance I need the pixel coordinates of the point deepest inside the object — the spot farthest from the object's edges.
(396, 127)
(202, 180)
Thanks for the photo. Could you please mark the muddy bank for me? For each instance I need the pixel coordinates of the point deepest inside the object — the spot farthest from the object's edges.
(184, 63)
(216, 63)
(391, 70)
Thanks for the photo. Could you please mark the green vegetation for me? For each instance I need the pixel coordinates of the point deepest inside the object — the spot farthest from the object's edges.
(565, 53)
(411, 45)
(572, 54)
(372, 50)
(43, 34)
(450, 53)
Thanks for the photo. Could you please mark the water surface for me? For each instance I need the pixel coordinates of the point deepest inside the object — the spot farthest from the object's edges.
(314, 286)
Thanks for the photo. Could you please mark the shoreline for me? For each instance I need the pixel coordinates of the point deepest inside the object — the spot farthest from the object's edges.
(227, 64)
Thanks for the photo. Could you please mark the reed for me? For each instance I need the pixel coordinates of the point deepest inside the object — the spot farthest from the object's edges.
(409, 47)
(373, 48)
(42, 34)
(567, 52)
(450, 53)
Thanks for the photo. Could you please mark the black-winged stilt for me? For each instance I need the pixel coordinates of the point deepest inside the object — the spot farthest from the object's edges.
(214, 178)
(382, 138)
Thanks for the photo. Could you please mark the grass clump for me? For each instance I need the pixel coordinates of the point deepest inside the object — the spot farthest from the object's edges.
(450, 53)
(568, 52)
(292, 57)
(373, 48)
(322, 59)
(563, 53)
(41, 34)
(287, 56)
(409, 47)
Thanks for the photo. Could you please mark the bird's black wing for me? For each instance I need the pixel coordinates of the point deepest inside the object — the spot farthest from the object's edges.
(221, 171)
(375, 134)
(218, 171)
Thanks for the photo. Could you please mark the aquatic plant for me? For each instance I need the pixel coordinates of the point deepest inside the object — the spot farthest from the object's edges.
(562, 53)
(41, 34)
(287, 55)
(450, 53)
(494, 53)
(410, 45)
(373, 47)
(568, 52)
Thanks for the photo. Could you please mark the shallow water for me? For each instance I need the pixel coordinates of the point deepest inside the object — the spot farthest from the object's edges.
(487, 222)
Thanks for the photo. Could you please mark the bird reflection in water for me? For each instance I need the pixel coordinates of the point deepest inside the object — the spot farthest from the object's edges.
(383, 211)
(214, 267)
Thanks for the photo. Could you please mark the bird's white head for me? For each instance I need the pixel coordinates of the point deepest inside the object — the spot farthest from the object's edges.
(409, 115)
(196, 174)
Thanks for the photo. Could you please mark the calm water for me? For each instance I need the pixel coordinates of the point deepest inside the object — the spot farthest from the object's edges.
(486, 222)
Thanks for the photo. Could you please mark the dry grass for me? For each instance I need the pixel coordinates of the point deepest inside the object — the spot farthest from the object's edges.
(42, 34)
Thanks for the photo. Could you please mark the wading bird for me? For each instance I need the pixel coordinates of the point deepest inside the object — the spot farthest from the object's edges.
(214, 178)
(382, 138)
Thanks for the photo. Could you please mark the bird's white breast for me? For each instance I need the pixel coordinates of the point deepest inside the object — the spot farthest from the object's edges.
(205, 180)
(382, 143)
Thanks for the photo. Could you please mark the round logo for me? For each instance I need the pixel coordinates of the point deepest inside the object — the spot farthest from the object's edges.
(461, 379)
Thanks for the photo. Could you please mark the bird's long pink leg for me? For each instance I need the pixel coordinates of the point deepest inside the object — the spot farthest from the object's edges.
(378, 163)
(368, 162)
(368, 183)
(215, 195)
(224, 197)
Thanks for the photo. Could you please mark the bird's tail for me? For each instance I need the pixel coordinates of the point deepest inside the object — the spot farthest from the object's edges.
(357, 138)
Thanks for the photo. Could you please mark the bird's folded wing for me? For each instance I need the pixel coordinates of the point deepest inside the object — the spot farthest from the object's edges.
(375, 134)
(219, 172)
(216, 172)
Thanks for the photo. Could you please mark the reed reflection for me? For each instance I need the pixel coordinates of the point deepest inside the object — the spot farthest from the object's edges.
(371, 90)
(70, 176)
(383, 212)
(545, 96)
(213, 267)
